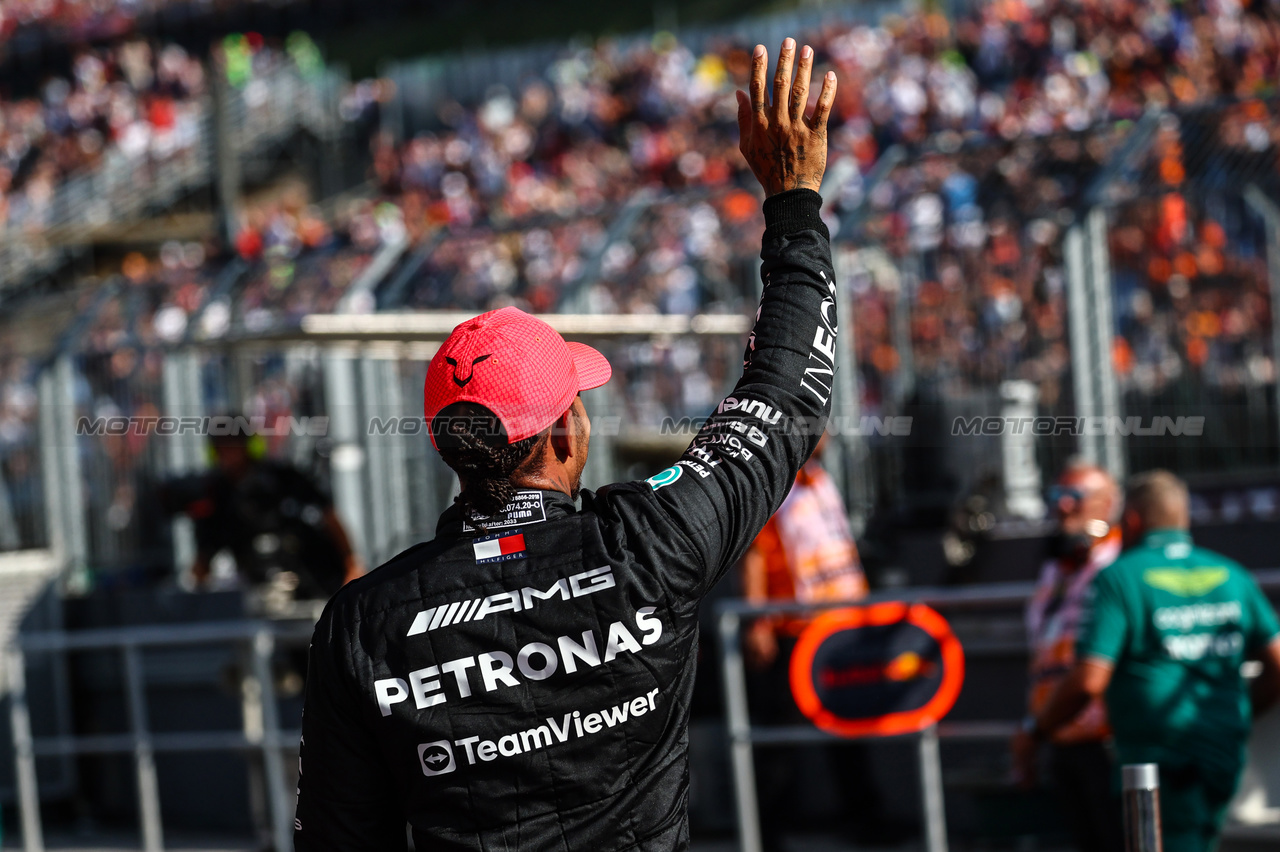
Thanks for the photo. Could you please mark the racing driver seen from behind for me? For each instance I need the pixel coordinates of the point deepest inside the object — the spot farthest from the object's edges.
(523, 680)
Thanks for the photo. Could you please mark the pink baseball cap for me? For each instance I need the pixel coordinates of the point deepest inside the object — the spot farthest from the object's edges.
(515, 365)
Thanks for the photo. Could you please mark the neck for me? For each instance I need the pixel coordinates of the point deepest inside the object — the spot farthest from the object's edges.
(547, 480)
(1164, 528)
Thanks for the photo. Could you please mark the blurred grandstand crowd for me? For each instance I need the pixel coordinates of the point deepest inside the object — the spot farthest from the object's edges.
(126, 101)
(612, 183)
(73, 18)
(127, 105)
(1010, 112)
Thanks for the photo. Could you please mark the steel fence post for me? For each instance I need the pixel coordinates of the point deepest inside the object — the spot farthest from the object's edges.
(935, 816)
(272, 759)
(347, 460)
(1267, 209)
(744, 771)
(1141, 785)
(1091, 328)
(143, 755)
(24, 751)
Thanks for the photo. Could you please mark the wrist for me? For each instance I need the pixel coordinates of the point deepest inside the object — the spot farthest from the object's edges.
(794, 210)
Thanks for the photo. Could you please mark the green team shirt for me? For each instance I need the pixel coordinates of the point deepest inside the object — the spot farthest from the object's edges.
(1177, 621)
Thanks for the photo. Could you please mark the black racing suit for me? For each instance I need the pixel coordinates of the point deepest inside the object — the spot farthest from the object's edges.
(528, 688)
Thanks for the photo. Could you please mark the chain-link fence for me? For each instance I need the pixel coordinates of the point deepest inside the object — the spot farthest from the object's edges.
(1189, 245)
(132, 422)
(959, 278)
(965, 275)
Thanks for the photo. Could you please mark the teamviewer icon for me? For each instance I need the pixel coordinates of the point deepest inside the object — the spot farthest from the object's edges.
(436, 758)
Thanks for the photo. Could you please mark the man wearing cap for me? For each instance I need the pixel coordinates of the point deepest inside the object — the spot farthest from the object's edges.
(522, 682)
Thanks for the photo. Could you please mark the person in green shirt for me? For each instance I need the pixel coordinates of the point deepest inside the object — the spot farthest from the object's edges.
(1164, 633)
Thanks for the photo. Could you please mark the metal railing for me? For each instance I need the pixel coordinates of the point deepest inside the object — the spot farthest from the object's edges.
(261, 732)
(744, 736)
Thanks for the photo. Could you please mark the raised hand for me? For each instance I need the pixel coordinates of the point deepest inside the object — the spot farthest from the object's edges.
(785, 148)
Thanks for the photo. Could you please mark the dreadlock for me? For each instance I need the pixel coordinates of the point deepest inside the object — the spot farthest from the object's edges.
(473, 443)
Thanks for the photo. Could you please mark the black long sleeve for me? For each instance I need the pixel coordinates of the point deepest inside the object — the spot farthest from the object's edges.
(741, 465)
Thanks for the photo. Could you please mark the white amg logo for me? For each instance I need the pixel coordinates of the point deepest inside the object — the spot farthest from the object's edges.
(574, 586)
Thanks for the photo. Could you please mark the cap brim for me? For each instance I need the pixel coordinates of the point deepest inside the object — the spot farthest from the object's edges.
(593, 368)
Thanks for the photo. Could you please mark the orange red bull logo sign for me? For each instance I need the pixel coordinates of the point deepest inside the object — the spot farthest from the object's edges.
(880, 670)
(906, 666)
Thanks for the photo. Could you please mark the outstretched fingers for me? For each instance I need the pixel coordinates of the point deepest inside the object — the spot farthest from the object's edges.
(784, 149)
(782, 80)
(826, 97)
(759, 89)
(800, 88)
(744, 119)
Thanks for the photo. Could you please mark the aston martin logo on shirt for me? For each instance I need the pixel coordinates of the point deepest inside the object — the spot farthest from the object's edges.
(1187, 583)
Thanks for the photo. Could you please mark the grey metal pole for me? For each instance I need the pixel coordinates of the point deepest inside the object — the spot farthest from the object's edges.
(744, 770)
(846, 408)
(24, 751)
(143, 755)
(1102, 329)
(1141, 785)
(347, 460)
(935, 816)
(184, 451)
(273, 762)
(1022, 481)
(377, 468)
(905, 381)
(606, 412)
(392, 398)
(56, 507)
(1270, 213)
(1083, 375)
(9, 537)
(1091, 327)
(224, 152)
(76, 576)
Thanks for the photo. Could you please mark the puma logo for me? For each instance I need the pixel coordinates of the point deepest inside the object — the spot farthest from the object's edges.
(459, 381)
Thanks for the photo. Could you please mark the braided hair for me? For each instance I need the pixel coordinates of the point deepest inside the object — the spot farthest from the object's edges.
(473, 443)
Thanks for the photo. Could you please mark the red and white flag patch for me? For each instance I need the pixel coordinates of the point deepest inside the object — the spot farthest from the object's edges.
(499, 548)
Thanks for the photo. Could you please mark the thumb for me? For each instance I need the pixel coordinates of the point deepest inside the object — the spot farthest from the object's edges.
(744, 115)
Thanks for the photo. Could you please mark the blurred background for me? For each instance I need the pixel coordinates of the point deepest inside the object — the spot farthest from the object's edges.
(275, 210)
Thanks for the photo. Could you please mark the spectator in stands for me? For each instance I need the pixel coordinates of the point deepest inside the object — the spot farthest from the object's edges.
(1165, 632)
(1086, 506)
(805, 553)
(275, 522)
(122, 104)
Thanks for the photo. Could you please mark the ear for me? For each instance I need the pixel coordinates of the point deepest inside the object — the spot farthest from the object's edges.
(562, 435)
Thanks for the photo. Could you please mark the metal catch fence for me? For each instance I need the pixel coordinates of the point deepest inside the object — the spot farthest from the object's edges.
(261, 733)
